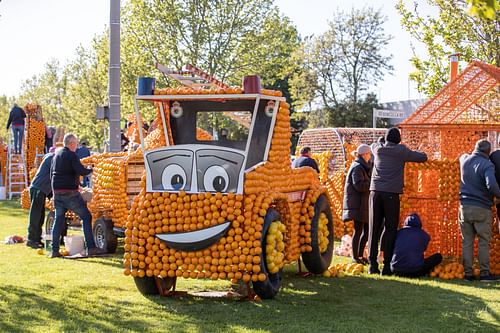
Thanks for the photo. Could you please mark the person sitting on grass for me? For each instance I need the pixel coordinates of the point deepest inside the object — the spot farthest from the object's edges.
(411, 243)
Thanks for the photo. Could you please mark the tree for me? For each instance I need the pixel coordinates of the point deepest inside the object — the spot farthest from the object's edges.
(5, 106)
(346, 114)
(227, 39)
(452, 30)
(486, 9)
(342, 64)
(47, 89)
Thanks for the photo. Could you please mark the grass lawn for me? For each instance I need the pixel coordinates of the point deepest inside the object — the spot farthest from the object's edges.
(38, 294)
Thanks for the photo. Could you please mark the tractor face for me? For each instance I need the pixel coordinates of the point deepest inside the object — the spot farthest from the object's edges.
(195, 169)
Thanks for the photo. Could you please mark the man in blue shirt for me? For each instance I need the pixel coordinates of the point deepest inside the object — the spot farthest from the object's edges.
(478, 187)
(39, 190)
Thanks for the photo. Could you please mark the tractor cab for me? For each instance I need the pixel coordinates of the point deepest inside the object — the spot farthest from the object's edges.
(211, 140)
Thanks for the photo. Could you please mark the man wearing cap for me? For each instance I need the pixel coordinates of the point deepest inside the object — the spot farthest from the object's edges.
(40, 189)
(356, 194)
(305, 159)
(478, 187)
(386, 186)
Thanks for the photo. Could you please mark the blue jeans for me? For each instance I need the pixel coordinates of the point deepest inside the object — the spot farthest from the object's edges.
(72, 201)
(18, 132)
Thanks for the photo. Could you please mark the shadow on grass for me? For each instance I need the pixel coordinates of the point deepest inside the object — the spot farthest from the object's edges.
(349, 304)
(23, 310)
(304, 304)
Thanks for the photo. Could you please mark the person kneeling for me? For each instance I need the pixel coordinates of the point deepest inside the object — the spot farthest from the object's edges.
(411, 243)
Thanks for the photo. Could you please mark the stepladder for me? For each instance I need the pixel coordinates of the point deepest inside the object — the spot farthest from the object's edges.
(16, 170)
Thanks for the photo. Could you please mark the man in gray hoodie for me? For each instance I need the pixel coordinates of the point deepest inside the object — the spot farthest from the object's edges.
(477, 188)
(386, 186)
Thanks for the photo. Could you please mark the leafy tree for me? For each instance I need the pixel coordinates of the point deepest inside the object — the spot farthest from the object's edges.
(227, 39)
(47, 89)
(346, 114)
(342, 64)
(5, 106)
(486, 9)
(452, 30)
(347, 59)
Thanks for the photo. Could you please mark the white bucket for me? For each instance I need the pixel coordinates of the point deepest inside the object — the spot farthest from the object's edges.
(3, 195)
(74, 244)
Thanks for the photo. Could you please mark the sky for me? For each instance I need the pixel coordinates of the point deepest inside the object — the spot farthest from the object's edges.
(32, 32)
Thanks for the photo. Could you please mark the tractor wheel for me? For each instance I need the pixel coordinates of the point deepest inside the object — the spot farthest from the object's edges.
(104, 236)
(147, 285)
(318, 260)
(268, 288)
(49, 222)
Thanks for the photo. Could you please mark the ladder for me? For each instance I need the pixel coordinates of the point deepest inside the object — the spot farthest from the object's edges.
(16, 169)
(38, 158)
(192, 77)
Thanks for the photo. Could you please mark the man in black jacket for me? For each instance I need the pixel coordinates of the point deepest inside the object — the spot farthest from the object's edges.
(66, 171)
(385, 188)
(16, 118)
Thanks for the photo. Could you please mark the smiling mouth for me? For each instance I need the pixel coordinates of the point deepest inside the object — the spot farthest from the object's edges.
(195, 240)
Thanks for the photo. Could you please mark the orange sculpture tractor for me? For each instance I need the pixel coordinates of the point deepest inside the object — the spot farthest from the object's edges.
(219, 198)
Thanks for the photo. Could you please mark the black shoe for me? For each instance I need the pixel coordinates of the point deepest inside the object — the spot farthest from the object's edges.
(469, 278)
(35, 245)
(95, 251)
(489, 278)
(373, 270)
(55, 255)
(364, 261)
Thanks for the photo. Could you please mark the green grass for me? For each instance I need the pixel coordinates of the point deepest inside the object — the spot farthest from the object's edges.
(38, 294)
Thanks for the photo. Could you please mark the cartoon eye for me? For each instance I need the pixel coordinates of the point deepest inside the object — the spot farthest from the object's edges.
(216, 179)
(173, 178)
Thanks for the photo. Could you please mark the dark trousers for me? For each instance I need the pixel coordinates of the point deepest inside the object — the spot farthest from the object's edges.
(71, 201)
(36, 215)
(384, 216)
(426, 269)
(359, 239)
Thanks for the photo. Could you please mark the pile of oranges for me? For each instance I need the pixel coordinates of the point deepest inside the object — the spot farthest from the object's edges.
(35, 134)
(335, 188)
(495, 253)
(25, 199)
(211, 91)
(109, 187)
(275, 247)
(3, 162)
(341, 269)
(449, 271)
